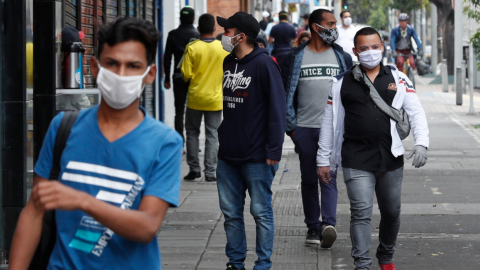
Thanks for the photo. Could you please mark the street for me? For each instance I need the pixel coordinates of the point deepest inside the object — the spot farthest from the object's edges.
(440, 205)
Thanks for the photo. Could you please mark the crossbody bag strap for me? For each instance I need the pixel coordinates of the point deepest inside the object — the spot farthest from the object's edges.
(61, 138)
(392, 112)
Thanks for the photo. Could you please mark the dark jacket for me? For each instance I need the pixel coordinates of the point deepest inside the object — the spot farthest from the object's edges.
(291, 74)
(395, 37)
(253, 127)
(176, 42)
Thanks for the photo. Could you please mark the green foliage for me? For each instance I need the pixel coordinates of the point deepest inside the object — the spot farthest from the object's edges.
(378, 18)
(473, 11)
(407, 6)
(371, 12)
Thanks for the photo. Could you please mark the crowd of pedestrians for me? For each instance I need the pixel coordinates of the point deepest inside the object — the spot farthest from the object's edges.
(118, 169)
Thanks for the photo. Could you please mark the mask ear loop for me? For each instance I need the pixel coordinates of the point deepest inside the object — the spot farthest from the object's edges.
(146, 71)
(233, 38)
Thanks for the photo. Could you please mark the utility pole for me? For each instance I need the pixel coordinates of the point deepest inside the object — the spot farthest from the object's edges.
(471, 66)
(458, 38)
(433, 9)
(424, 32)
(338, 9)
(311, 4)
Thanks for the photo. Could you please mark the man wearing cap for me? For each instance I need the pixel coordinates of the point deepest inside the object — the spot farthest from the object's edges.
(282, 35)
(176, 42)
(307, 75)
(251, 138)
(264, 22)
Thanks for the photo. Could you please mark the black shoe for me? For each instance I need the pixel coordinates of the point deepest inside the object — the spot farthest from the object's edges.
(192, 175)
(210, 179)
(313, 237)
(231, 267)
(329, 235)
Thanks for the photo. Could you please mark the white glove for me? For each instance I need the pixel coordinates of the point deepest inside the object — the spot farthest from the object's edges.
(420, 153)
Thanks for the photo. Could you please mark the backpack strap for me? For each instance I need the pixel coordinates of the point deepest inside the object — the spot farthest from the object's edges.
(61, 138)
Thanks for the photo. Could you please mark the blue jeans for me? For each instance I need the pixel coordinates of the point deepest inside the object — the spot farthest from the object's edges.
(232, 182)
(388, 188)
(306, 141)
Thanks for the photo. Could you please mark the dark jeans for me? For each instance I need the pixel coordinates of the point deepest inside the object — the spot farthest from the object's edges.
(306, 141)
(360, 188)
(233, 180)
(180, 90)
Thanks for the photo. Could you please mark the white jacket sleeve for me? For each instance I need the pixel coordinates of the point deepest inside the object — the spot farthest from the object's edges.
(418, 119)
(325, 142)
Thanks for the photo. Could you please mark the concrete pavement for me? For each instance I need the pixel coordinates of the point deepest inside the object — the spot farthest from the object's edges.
(440, 206)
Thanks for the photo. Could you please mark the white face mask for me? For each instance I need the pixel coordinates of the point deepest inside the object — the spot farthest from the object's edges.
(347, 21)
(119, 91)
(371, 58)
(227, 43)
(276, 19)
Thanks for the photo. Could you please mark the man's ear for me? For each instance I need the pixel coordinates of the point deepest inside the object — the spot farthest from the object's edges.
(150, 77)
(94, 67)
(240, 38)
(355, 52)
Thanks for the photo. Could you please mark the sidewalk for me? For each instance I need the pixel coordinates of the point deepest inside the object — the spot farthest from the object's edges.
(192, 235)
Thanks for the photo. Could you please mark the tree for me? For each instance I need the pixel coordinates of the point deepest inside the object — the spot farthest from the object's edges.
(371, 12)
(474, 13)
(378, 18)
(446, 26)
(407, 6)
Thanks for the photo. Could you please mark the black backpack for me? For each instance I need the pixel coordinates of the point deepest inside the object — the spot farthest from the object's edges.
(49, 229)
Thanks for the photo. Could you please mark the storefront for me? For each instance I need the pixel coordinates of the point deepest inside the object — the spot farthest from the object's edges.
(32, 86)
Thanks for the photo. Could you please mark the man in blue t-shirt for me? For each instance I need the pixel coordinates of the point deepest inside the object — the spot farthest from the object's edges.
(282, 35)
(119, 171)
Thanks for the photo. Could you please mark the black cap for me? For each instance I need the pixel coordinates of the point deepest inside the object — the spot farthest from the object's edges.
(187, 13)
(243, 21)
(70, 34)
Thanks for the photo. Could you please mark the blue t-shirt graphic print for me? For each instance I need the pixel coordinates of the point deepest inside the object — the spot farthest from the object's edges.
(144, 162)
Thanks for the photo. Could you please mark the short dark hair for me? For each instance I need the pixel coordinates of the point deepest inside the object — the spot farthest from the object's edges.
(366, 31)
(130, 29)
(317, 16)
(206, 24)
(283, 15)
(343, 12)
(250, 41)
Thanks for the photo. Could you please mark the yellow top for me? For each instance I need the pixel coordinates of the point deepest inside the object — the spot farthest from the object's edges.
(203, 65)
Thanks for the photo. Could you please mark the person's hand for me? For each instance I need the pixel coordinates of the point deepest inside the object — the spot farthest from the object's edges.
(167, 85)
(420, 153)
(272, 162)
(324, 174)
(420, 53)
(394, 54)
(292, 135)
(50, 195)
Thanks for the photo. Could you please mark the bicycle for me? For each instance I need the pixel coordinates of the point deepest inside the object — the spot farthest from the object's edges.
(407, 68)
